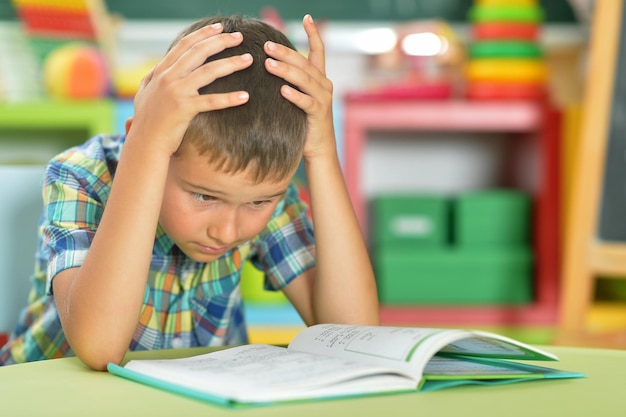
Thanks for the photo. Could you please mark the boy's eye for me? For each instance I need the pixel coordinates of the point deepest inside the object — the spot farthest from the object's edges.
(259, 203)
(203, 197)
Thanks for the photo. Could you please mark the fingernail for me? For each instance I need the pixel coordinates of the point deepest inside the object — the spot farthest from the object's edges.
(243, 96)
(246, 57)
(236, 34)
(216, 26)
(271, 45)
(271, 62)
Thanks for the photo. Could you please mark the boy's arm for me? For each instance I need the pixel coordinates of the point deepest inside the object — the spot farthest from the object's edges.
(341, 288)
(99, 302)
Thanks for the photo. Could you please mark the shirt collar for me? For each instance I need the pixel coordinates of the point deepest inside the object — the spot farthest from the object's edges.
(163, 244)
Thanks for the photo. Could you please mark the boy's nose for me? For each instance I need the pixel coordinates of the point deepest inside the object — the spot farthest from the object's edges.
(224, 229)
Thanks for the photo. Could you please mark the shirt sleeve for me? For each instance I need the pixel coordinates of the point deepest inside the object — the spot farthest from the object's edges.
(286, 247)
(76, 185)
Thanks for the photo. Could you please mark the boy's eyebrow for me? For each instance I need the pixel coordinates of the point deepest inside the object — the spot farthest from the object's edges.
(269, 197)
(209, 191)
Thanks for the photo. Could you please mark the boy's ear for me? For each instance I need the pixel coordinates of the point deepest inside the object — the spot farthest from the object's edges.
(129, 123)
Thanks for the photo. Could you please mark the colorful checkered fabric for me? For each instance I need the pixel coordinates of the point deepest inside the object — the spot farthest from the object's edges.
(186, 303)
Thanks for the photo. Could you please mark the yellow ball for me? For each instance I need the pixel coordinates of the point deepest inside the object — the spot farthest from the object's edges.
(76, 71)
(126, 80)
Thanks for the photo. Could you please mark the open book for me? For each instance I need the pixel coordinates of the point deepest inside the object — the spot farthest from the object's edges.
(331, 360)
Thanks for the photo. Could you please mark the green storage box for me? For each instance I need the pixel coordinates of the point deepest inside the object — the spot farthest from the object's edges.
(413, 220)
(493, 218)
(498, 276)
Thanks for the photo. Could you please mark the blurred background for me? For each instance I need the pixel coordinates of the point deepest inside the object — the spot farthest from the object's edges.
(458, 126)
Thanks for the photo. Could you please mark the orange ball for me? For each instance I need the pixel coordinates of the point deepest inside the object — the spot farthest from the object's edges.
(76, 71)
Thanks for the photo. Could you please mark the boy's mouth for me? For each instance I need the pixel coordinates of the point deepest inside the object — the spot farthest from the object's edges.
(210, 250)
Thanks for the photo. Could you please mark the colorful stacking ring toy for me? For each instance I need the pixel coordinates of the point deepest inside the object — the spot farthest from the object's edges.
(505, 31)
(509, 69)
(528, 14)
(488, 90)
(501, 49)
(506, 2)
(506, 59)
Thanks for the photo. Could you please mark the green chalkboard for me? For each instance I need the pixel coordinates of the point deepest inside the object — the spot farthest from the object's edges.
(391, 10)
(611, 224)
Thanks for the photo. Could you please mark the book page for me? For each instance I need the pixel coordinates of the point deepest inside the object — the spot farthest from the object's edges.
(405, 347)
(489, 345)
(442, 368)
(268, 373)
(392, 346)
(445, 368)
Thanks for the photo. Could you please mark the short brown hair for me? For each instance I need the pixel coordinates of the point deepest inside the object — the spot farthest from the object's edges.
(265, 134)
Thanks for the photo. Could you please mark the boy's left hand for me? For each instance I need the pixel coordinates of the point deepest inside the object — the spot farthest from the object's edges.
(309, 75)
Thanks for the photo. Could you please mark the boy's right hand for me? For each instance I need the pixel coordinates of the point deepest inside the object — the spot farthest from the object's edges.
(168, 96)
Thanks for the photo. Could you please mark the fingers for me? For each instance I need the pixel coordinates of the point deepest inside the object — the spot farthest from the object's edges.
(182, 72)
(188, 41)
(191, 51)
(145, 80)
(213, 70)
(304, 101)
(316, 46)
(294, 67)
(316, 89)
(198, 53)
(209, 102)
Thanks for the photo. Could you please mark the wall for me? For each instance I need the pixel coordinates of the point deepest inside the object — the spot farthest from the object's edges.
(452, 10)
(444, 157)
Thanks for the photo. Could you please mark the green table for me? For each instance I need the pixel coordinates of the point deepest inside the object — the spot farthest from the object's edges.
(66, 387)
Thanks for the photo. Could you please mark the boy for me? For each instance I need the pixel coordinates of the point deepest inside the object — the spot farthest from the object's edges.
(142, 249)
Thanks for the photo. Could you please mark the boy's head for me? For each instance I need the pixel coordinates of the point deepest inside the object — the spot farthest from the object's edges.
(266, 135)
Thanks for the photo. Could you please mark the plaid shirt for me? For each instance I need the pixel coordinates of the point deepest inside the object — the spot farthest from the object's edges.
(186, 303)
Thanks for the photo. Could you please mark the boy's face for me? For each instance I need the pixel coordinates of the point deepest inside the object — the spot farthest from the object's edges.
(206, 212)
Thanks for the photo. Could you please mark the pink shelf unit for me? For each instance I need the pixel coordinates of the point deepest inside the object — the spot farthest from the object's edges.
(531, 118)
